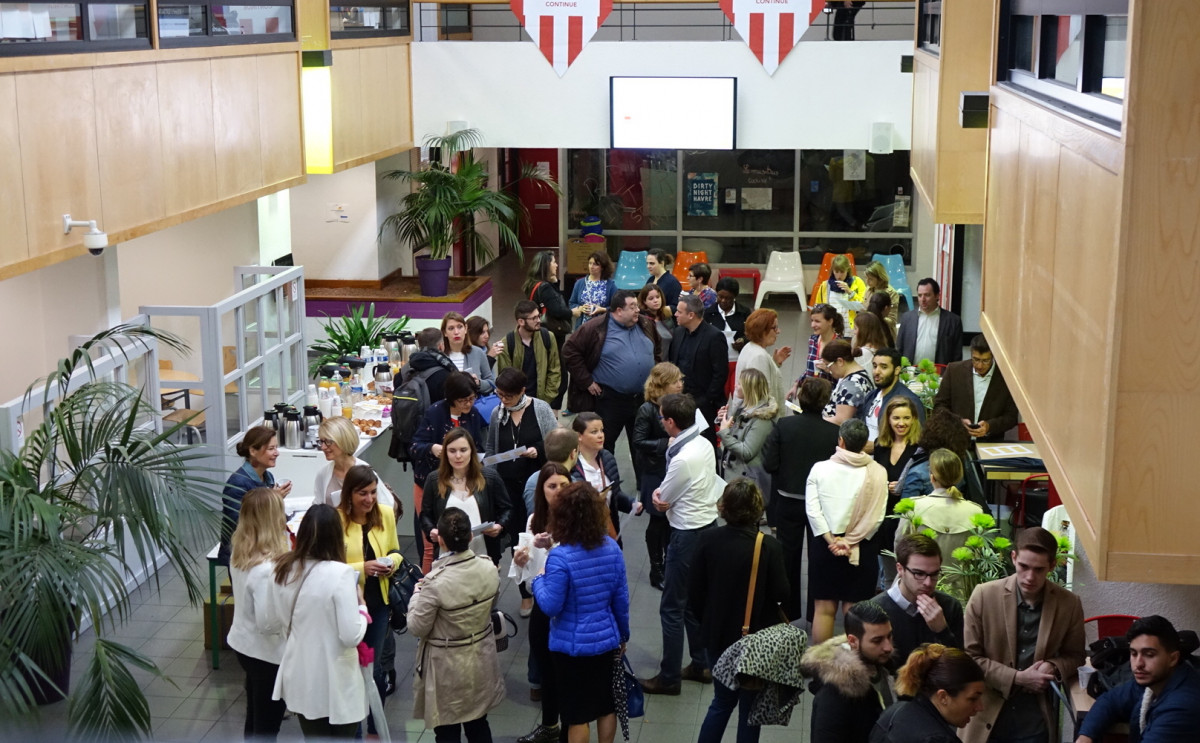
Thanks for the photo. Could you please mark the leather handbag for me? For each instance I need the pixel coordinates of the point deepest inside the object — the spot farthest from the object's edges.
(400, 591)
(500, 624)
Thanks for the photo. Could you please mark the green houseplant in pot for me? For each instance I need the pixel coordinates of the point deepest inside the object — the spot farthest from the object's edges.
(345, 336)
(448, 204)
(93, 494)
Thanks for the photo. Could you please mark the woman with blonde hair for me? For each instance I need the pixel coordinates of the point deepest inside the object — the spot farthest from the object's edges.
(762, 331)
(337, 439)
(944, 510)
(373, 550)
(261, 537)
(843, 290)
(899, 432)
(744, 432)
(650, 441)
(946, 686)
(878, 283)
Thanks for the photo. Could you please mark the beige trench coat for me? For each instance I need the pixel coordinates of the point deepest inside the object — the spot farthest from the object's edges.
(990, 637)
(458, 676)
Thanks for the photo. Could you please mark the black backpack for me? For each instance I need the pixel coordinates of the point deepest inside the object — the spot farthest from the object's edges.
(1110, 658)
(409, 402)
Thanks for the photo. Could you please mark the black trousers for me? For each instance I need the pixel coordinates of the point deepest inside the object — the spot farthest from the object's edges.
(263, 714)
(658, 533)
(539, 647)
(619, 411)
(791, 522)
(478, 731)
(320, 729)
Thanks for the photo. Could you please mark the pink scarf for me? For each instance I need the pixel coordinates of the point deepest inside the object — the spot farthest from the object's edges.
(870, 501)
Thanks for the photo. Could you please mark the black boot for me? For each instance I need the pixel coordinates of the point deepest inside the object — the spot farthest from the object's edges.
(656, 575)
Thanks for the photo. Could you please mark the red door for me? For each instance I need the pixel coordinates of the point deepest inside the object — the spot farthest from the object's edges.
(541, 230)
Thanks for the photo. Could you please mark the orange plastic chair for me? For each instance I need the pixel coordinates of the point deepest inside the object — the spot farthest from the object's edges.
(1111, 625)
(685, 260)
(825, 272)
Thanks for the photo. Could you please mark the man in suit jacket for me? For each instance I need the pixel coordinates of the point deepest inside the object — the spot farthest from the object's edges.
(795, 444)
(975, 391)
(1025, 632)
(930, 332)
(701, 353)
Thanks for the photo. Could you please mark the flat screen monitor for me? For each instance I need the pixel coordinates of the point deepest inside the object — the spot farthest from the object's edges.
(682, 113)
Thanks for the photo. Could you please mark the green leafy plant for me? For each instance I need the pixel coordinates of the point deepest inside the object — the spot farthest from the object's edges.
(923, 379)
(93, 494)
(448, 203)
(345, 336)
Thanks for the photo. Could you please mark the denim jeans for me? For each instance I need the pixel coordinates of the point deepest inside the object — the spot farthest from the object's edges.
(672, 609)
(723, 703)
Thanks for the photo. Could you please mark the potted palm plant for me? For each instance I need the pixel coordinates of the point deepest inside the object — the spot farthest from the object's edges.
(448, 203)
(93, 493)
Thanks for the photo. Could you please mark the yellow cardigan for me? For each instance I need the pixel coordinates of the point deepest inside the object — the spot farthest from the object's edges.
(858, 290)
(383, 541)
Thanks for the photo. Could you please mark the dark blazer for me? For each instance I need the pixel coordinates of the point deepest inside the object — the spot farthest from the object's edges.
(916, 721)
(737, 321)
(705, 367)
(720, 579)
(908, 633)
(795, 444)
(949, 340)
(619, 500)
(581, 353)
(957, 392)
(434, 426)
(494, 505)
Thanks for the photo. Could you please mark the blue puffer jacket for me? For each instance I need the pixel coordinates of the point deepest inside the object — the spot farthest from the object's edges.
(586, 595)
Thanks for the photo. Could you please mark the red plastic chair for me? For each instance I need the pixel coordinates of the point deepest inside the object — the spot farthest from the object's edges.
(685, 260)
(1111, 625)
(826, 271)
(1018, 514)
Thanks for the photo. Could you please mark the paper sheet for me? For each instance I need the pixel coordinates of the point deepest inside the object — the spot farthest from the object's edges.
(1010, 450)
(505, 456)
(537, 560)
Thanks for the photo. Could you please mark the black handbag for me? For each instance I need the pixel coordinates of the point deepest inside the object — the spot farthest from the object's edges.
(500, 624)
(400, 591)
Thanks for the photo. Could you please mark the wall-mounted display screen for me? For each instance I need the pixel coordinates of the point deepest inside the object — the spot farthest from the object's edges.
(678, 113)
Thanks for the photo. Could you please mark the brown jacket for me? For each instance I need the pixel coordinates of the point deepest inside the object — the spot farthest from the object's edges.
(990, 634)
(957, 392)
(581, 353)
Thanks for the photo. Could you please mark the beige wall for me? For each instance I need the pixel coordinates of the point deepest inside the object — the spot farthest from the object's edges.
(329, 249)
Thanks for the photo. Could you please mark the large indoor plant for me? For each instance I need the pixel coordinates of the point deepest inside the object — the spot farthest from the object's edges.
(345, 336)
(94, 494)
(449, 202)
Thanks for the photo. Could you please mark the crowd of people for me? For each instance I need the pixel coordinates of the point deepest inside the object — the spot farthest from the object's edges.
(721, 446)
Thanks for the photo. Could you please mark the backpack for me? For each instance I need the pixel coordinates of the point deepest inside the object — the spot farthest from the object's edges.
(410, 400)
(510, 341)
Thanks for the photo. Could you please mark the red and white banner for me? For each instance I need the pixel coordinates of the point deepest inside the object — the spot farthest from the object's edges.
(771, 27)
(561, 28)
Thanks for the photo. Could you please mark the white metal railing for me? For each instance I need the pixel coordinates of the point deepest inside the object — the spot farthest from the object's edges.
(269, 362)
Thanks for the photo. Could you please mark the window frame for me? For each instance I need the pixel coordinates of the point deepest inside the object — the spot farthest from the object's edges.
(375, 33)
(443, 11)
(929, 20)
(183, 42)
(86, 45)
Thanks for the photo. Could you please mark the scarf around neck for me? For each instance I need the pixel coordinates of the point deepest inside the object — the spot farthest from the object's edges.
(508, 410)
(868, 503)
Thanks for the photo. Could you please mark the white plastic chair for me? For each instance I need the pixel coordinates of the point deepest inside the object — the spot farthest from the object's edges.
(785, 273)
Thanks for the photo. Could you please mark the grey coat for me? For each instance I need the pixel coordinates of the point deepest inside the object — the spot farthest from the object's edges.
(743, 442)
(458, 677)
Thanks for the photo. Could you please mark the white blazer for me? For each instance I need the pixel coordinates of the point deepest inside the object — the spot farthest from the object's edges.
(319, 675)
(250, 595)
(325, 474)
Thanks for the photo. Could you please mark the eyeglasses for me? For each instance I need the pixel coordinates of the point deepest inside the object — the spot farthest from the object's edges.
(921, 575)
(322, 443)
(532, 318)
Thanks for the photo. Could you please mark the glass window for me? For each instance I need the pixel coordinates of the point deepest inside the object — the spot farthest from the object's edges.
(852, 190)
(739, 190)
(348, 21)
(203, 23)
(1021, 43)
(627, 189)
(929, 25)
(455, 19)
(1062, 45)
(1112, 76)
(182, 21)
(813, 249)
(251, 20)
(56, 28)
(117, 21)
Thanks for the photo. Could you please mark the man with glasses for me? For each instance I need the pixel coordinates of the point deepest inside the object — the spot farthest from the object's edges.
(539, 361)
(920, 613)
(608, 359)
(975, 391)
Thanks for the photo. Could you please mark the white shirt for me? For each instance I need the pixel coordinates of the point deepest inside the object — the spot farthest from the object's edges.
(906, 606)
(595, 476)
(459, 359)
(466, 501)
(829, 496)
(728, 332)
(981, 384)
(691, 486)
(927, 334)
(250, 589)
(873, 413)
(327, 489)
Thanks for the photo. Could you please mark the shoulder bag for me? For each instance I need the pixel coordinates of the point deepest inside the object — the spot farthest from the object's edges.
(401, 585)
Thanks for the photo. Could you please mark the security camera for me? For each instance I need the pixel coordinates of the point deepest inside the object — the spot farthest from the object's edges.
(94, 240)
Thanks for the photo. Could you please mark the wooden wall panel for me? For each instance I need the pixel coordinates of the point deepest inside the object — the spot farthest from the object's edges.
(129, 145)
(375, 95)
(57, 120)
(923, 157)
(185, 101)
(238, 133)
(279, 114)
(1002, 236)
(400, 98)
(1038, 185)
(14, 243)
(347, 106)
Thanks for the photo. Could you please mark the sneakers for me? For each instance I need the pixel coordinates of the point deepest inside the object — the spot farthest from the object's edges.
(657, 686)
(541, 734)
(692, 673)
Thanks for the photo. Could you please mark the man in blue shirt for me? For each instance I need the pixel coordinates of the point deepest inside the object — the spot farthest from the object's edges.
(1160, 702)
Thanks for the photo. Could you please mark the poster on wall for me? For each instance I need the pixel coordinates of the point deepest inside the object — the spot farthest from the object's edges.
(854, 165)
(702, 194)
(756, 199)
(561, 28)
(771, 27)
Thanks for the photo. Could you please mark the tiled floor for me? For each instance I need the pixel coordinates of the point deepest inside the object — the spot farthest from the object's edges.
(196, 703)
